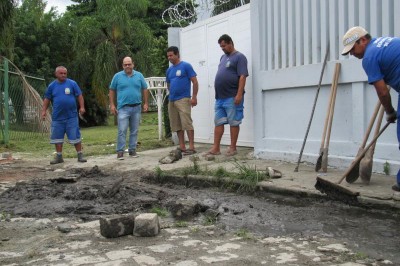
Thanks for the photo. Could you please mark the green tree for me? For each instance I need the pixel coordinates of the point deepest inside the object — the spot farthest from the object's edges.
(42, 40)
(6, 12)
(102, 40)
(7, 8)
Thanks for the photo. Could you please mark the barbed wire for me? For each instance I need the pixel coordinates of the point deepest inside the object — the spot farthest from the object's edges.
(186, 9)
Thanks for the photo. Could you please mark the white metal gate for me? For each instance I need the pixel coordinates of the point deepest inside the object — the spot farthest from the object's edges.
(199, 46)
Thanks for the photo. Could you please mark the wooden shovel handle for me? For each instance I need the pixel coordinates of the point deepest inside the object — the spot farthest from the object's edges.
(371, 124)
(328, 110)
(334, 85)
(361, 155)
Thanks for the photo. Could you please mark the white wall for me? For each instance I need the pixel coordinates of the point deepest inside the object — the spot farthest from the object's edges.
(291, 37)
(199, 46)
(285, 46)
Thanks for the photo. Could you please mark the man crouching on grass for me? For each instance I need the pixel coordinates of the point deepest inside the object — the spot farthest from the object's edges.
(62, 93)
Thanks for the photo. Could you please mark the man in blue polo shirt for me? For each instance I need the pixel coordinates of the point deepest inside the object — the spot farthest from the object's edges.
(179, 78)
(129, 85)
(63, 93)
(381, 62)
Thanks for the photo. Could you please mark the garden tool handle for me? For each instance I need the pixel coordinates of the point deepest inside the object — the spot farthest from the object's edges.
(371, 124)
(334, 86)
(361, 155)
(326, 119)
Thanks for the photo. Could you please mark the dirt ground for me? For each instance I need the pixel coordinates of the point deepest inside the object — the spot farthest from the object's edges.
(51, 218)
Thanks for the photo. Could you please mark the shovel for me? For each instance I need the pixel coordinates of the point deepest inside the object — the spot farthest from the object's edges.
(367, 162)
(321, 149)
(334, 189)
(324, 155)
(296, 169)
(354, 173)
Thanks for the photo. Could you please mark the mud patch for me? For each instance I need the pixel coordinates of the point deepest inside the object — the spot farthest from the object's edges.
(90, 194)
(83, 193)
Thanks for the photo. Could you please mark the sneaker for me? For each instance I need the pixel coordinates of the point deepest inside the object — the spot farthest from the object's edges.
(133, 154)
(396, 188)
(81, 159)
(120, 155)
(57, 159)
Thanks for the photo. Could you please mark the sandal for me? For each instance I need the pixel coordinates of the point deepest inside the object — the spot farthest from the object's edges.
(189, 152)
(230, 153)
(211, 153)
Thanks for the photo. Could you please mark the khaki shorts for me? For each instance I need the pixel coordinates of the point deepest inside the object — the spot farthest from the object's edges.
(180, 115)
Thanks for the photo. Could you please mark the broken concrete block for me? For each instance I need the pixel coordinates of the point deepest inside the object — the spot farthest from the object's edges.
(117, 226)
(173, 156)
(64, 228)
(184, 209)
(177, 154)
(167, 160)
(146, 224)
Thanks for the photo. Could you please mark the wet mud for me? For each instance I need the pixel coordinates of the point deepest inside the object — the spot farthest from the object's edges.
(90, 194)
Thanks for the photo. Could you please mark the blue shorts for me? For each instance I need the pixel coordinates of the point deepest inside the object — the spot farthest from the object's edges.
(226, 112)
(68, 126)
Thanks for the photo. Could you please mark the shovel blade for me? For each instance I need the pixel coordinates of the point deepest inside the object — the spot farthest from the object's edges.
(324, 163)
(354, 173)
(366, 166)
(319, 162)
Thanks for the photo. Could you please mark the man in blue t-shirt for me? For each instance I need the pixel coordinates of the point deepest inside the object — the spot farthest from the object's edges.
(179, 77)
(129, 85)
(230, 81)
(381, 63)
(62, 93)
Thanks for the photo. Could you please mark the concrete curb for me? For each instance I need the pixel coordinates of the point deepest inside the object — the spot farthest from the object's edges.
(263, 186)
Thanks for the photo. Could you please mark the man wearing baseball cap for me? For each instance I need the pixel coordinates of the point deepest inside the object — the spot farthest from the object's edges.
(381, 62)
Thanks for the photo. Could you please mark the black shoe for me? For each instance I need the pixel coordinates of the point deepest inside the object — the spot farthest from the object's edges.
(120, 155)
(133, 154)
(57, 159)
(396, 188)
(81, 159)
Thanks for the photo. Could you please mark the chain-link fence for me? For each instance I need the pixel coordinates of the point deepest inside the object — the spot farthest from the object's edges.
(20, 104)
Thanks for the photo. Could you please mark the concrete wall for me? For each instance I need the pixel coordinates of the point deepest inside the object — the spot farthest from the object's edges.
(291, 38)
(285, 42)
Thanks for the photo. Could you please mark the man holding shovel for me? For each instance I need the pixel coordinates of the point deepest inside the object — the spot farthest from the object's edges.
(381, 63)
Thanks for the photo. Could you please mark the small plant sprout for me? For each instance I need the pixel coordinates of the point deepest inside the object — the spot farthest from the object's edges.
(386, 168)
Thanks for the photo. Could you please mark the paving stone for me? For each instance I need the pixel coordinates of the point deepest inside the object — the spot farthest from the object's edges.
(117, 226)
(146, 224)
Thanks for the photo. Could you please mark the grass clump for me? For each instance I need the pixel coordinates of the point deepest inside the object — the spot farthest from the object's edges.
(249, 177)
(210, 220)
(181, 224)
(160, 211)
(244, 233)
(221, 172)
(159, 174)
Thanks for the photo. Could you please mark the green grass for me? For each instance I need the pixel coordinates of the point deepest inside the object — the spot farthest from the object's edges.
(181, 224)
(160, 211)
(99, 140)
(244, 233)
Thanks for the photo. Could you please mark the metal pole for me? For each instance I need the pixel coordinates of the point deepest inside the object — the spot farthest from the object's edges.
(159, 110)
(6, 105)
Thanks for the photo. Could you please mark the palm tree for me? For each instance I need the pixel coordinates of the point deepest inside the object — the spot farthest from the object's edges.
(6, 27)
(6, 10)
(102, 39)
